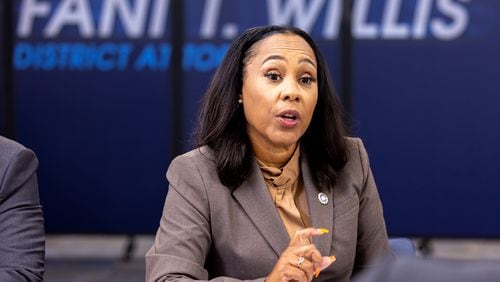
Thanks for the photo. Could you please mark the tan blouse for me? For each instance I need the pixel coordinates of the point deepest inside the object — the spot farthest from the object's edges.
(287, 191)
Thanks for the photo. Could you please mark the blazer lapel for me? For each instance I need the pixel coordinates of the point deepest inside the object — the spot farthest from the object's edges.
(255, 200)
(321, 215)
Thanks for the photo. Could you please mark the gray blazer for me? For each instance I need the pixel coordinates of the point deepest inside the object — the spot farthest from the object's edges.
(22, 238)
(208, 231)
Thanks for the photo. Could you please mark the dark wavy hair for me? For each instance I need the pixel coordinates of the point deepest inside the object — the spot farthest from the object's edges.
(222, 124)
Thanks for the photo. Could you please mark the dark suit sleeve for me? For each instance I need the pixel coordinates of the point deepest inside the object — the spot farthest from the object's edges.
(372, 234)
(183, 239)
(22, 237)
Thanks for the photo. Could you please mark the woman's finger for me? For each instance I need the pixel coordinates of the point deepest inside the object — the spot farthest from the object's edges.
(302, 260)
(289, 267)
(310, 252)
(306, 266)
(295, 274)
(325, 262)
(304, 236)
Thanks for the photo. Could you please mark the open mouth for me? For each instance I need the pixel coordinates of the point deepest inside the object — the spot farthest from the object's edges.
(289, 116)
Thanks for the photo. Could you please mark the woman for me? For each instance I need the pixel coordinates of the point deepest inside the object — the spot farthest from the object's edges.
(275, 190)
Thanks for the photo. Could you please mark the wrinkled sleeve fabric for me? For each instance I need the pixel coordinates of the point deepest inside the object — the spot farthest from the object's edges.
(22, 236)
(372, 241)
(183, 239)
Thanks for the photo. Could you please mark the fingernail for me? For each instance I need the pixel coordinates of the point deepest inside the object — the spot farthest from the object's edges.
(323, 230)
(317, 272)
(333, 258)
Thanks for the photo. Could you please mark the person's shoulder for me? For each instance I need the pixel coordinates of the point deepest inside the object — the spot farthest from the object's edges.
(351, 178)
(17, 164)
(353, 143)
(192, 167)
(200, 154)
(10, 149)
(199, 159)
(357, 162)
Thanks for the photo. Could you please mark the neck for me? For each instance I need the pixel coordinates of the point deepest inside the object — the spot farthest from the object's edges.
(272, 156)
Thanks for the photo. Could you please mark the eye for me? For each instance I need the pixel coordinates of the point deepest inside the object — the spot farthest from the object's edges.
(307, 80)
(274, 76)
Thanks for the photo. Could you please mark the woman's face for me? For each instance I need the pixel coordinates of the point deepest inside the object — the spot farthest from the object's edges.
(280, 91)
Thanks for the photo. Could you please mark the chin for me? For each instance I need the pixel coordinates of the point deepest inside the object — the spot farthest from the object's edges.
(285, 141)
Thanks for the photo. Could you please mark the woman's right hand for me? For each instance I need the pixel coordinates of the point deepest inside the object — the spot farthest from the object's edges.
(301, 261)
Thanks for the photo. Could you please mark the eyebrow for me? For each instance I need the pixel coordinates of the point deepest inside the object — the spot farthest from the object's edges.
(278, 57)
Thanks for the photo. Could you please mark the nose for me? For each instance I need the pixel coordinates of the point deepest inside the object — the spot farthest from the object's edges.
(290, 91)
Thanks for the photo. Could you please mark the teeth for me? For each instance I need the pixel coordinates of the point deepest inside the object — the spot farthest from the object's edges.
(289, 116)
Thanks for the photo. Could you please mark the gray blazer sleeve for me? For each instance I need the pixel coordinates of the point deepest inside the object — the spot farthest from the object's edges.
(183, 239)
(372, 234)
(22, 237)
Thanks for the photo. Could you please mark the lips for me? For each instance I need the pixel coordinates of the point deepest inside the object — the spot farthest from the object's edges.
(288, 118)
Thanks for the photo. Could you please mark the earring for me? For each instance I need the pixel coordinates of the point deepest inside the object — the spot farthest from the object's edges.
(240, 101)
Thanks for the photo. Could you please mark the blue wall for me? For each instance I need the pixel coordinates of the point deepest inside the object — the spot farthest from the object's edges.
(94, 99)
